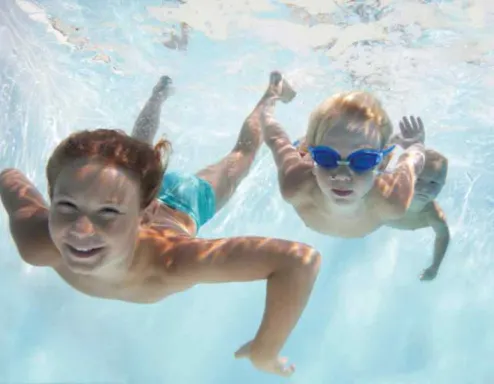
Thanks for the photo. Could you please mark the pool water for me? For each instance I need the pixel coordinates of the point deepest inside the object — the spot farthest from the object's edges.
(370, 320)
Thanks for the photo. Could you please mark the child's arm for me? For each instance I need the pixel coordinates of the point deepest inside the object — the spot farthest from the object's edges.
(437, 220)
(28, 215)
(398, 187)
(290, 270)
(293, 171)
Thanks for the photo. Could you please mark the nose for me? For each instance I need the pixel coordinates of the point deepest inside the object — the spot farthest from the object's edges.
(340, 177)
(342, 173)
(82, 228)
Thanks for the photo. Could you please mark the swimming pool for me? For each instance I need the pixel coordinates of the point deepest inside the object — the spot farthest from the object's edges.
(370, 319)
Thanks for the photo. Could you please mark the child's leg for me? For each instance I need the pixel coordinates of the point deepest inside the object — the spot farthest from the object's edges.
(148, 121)
(227, 174)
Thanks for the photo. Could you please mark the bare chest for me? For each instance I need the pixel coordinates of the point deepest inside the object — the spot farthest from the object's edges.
(149, 289)
(323, 220)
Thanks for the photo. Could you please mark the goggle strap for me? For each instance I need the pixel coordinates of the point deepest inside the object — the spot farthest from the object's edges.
(388, 150)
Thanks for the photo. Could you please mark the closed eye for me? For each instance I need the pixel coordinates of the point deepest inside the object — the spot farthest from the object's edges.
(66, 206)
(109, 212)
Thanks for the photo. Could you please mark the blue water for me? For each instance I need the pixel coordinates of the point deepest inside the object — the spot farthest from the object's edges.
(370, 320)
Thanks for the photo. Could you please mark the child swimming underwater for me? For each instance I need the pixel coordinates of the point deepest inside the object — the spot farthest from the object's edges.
(117, 229)
(424, 211)
(332, 178)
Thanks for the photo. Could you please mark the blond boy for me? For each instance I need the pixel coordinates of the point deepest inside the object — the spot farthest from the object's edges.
(424, 211)
(333, 178)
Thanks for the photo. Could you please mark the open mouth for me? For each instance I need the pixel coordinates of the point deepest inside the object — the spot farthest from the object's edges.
(84, 252)
(342, 192)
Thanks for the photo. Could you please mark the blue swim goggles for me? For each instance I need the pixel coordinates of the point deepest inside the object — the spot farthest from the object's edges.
(360, 161)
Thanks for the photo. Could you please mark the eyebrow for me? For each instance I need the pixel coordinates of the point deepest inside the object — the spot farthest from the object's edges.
(62, 195)
(119, 201)
(116, 201)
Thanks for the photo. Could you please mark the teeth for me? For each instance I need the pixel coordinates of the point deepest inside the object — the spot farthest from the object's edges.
(83, 249)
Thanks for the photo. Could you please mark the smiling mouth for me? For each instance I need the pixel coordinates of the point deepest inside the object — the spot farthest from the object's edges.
(342, 192)
(84, 252)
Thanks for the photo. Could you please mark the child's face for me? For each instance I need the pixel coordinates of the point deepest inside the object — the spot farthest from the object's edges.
(430, 182)
(342, 185)
(95, 216)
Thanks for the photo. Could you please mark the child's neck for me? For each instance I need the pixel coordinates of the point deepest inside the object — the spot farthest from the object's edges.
(116, 272)
(345, 210)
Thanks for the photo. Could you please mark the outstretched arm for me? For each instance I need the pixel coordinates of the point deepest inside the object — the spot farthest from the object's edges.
(437, 220)
(148, 121)
(292, 170)
(28, 214)
(290, 270)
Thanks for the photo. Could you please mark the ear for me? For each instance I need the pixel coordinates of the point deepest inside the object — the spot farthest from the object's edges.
(149, 212)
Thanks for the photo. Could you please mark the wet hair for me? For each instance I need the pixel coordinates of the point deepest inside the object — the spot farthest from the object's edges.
(349, 108)
(114, 147)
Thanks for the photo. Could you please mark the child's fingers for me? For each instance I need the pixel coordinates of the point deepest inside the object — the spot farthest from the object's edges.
(415, 124)
(402, 127)
(421, 124)
(407, 127)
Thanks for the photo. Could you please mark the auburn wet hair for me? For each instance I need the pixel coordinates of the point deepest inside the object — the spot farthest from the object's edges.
(114, 147)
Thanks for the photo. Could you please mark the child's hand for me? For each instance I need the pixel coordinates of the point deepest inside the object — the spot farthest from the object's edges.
(411, 132)
(276, 365)
(429, 273)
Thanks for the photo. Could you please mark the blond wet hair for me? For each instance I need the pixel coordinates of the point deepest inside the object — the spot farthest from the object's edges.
(355, 109)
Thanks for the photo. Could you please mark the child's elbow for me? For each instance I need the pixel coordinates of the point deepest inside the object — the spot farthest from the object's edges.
(305, 257)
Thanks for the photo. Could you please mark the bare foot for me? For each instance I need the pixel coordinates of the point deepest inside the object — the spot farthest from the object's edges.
(164, 88)
(280, 87)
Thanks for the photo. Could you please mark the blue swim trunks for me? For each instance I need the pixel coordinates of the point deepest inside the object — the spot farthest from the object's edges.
(189, 194)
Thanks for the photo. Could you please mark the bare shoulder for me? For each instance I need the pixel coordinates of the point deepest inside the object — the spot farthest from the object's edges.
(28, 218)
(434, 210)
(436, 217)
